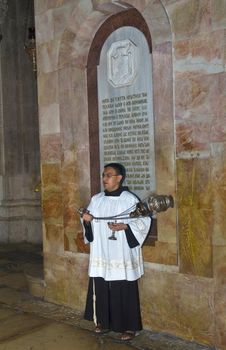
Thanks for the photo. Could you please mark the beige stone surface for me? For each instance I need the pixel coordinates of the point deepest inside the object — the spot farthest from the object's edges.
(189, 17)
(219, 9)
(162, 253)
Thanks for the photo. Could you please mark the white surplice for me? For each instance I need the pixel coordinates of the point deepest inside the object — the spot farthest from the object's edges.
(114, 259)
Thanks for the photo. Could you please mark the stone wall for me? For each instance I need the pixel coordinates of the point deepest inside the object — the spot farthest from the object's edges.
(20, 210)
(184, 282)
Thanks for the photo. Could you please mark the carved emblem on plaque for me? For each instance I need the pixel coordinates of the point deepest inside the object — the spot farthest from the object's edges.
(122, 63)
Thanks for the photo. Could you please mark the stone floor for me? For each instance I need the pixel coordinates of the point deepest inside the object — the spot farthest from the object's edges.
(30, 323)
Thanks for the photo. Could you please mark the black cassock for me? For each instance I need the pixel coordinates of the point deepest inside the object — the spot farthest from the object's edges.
(117, 305)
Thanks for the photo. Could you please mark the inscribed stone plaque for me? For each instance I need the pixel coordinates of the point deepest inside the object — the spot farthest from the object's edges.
(125, 103)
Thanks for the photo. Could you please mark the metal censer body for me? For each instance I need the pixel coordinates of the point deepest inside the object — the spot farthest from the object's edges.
(155, 204)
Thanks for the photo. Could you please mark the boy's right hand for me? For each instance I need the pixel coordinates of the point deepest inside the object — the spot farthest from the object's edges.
(87, 217)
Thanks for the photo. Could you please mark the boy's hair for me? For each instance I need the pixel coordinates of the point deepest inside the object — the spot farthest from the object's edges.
(119, 168)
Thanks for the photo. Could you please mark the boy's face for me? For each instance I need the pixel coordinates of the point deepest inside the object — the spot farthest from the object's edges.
(111, 180)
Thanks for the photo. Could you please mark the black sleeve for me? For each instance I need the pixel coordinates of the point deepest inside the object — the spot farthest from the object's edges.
(131, 239)
(88, 231)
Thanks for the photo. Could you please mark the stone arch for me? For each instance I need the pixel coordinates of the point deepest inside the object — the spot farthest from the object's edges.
(76, 130)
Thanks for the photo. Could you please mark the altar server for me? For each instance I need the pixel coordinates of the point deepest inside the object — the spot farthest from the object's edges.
(115, 262)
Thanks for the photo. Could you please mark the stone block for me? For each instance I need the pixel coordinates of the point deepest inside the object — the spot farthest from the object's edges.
(178, 304)
(195, 247)
(190, 18)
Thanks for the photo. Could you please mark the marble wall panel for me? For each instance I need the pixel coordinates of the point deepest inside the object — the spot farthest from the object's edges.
(75, 44)
(218, 14)
(220, 307)
(51, 178)
(162, 253)
(196, 96)
(66, 284)
(45, 5)
(178, 304)
(50, 148)
(74, 126)
(52, 208)
(80, 109)
(189, 17)
(87, 30)
(71, 218)
(71, 240)
(69, 201)
(154, 14)
(224, 48)
(195, 216)
(193, 137)
(106, 7)
(74, 137)
(39, 7)
(140, 5)
(219, 264)
(60, 17)
(79, 242)
(45, 27)
(67, 109)
(218, 174)
(69, 171)
(165, 161)
(57, 285)
(164, 142)
(51, 18)
(82, 9)
(78, 280)
(51, 194)
(59, 3)
(218, 127)
(47, 56)
(204, 53)
(48, 83)
(64, 50)
(219, 224)
(53, 238)
(68, 126)
(208, 45)
(49, 119)
(195, 227)
(162, 84)
(166, 224)
(194, 183)
(218, 130)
